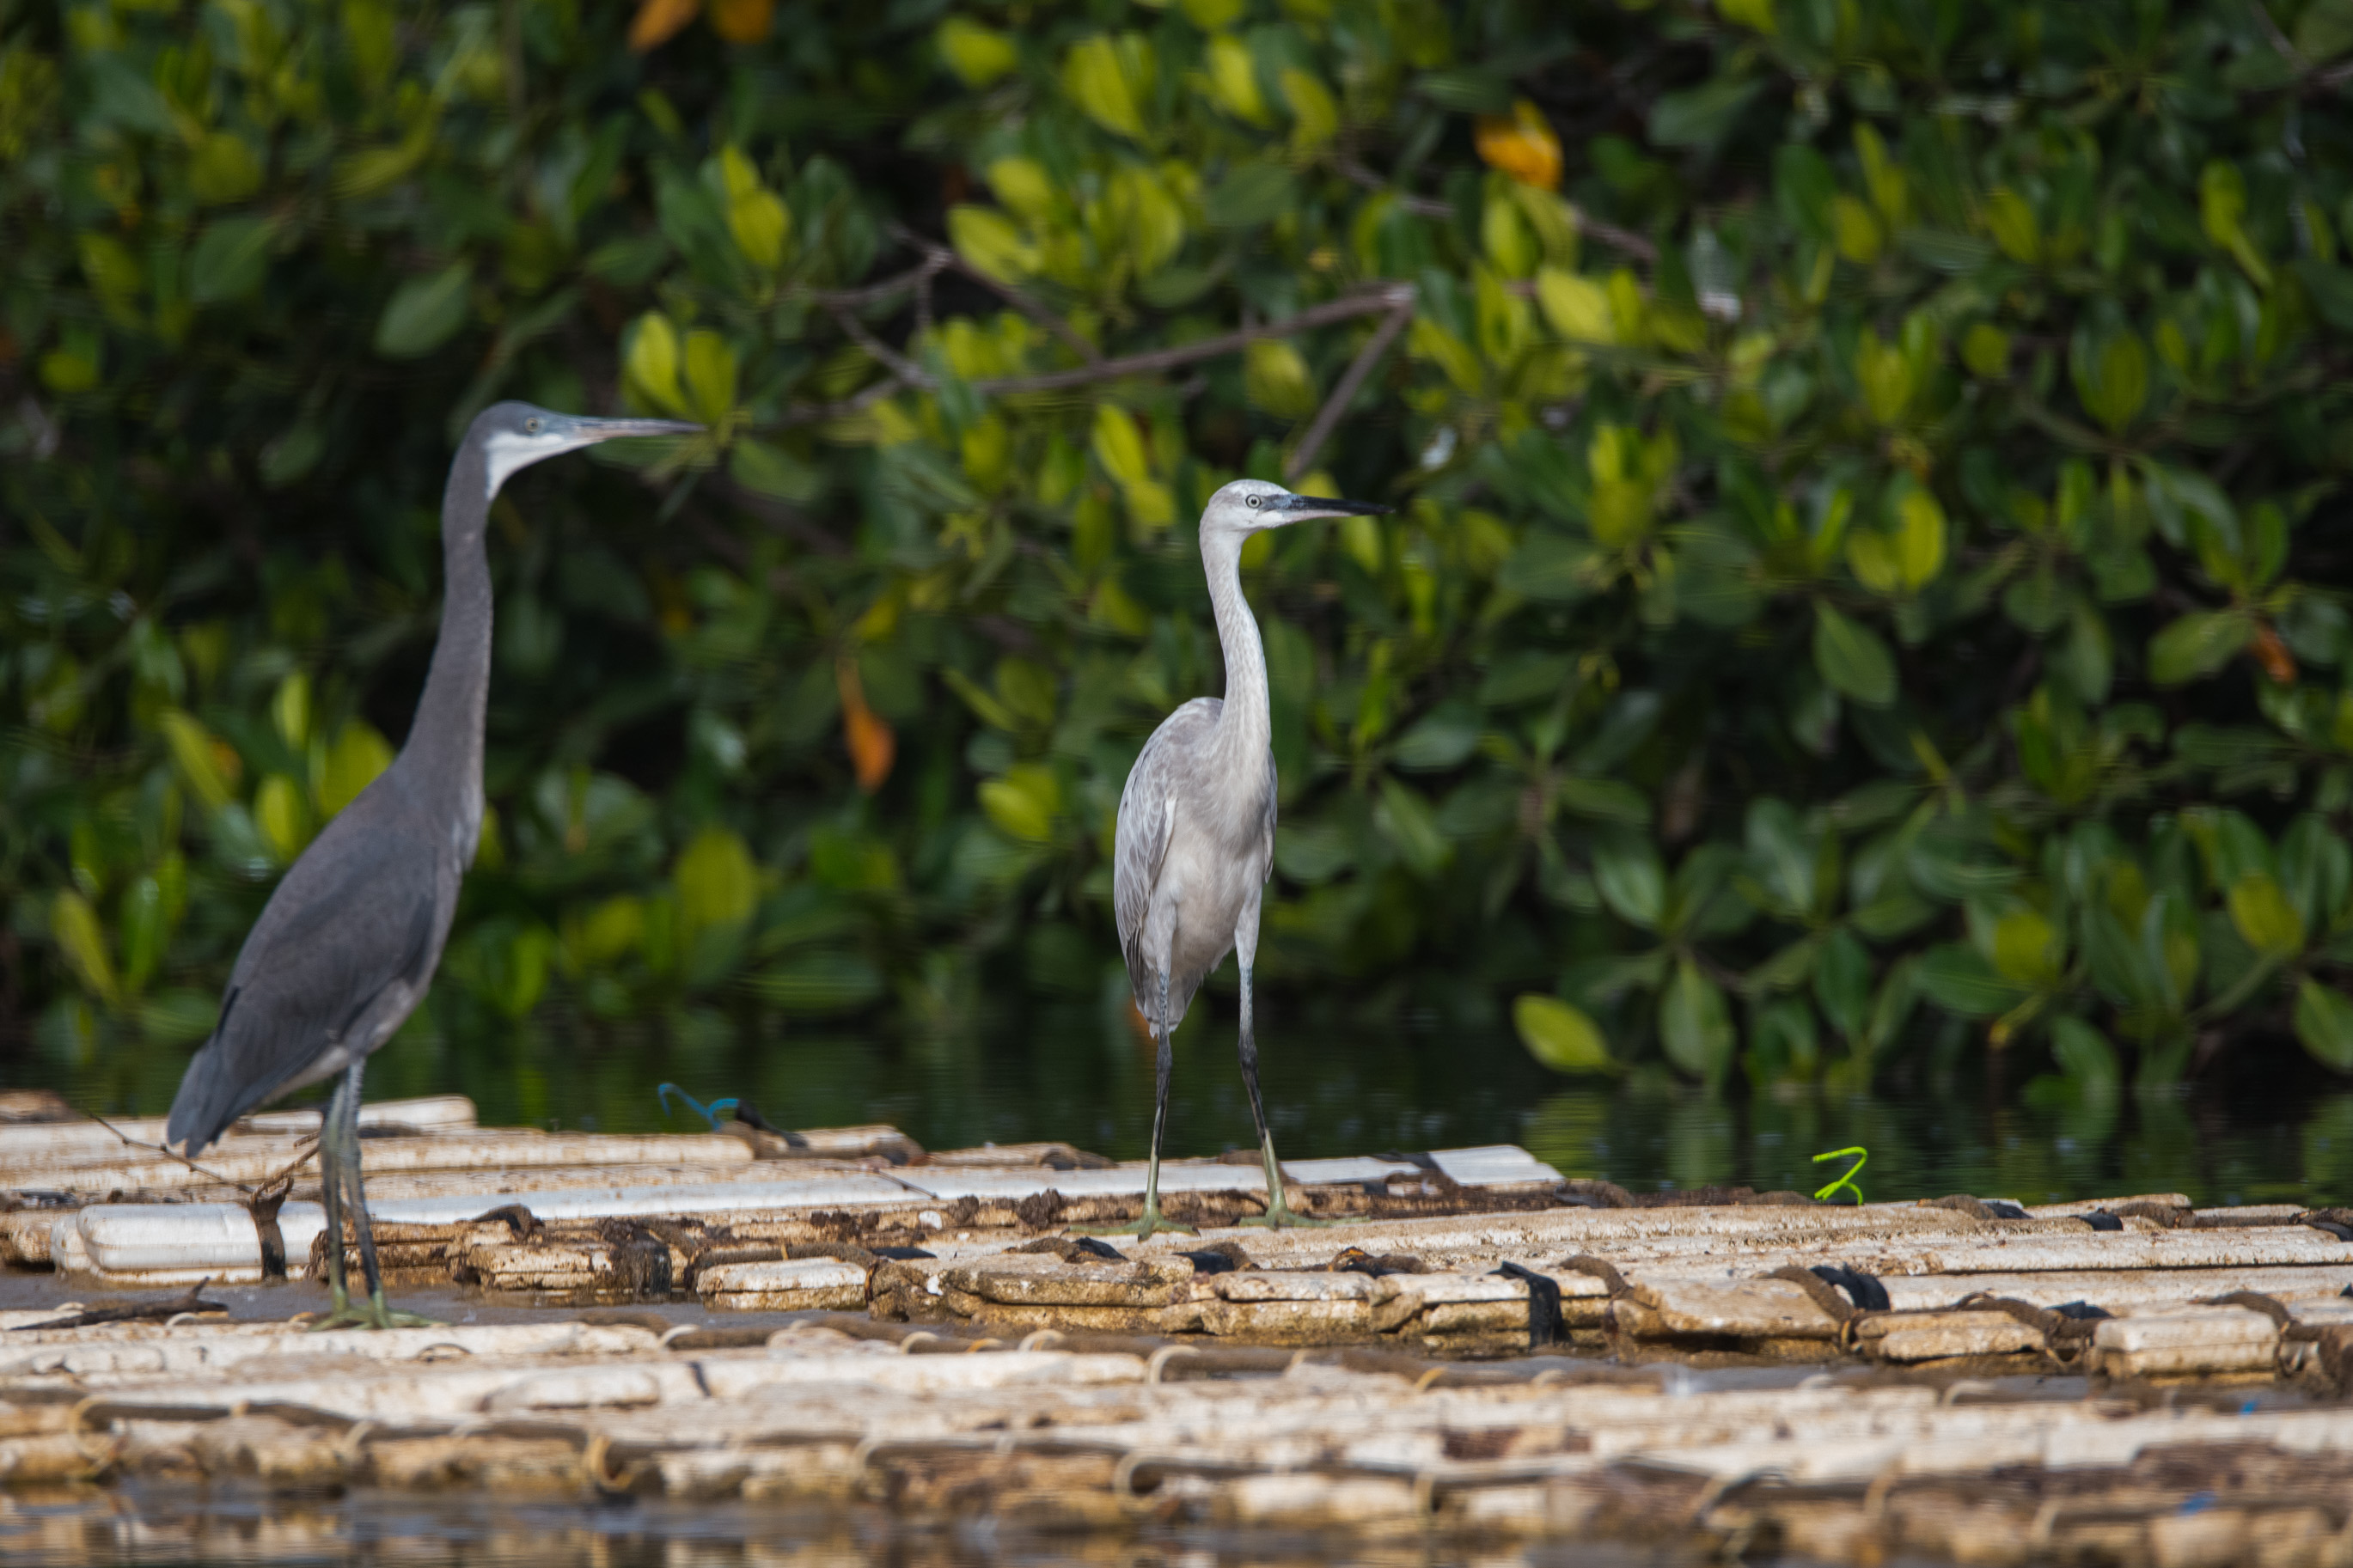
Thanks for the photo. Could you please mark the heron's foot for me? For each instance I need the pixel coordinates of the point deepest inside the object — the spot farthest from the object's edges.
(1150, 1221)
(1279, 1215)
(373, 1313)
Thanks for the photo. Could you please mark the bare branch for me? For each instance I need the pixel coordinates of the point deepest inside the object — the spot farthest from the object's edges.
(856, 403)
(940, 257)
(899, 365)
(1345, 309)
(308, 1146)
(1352, 380)
(873, 293)
(1609, 233)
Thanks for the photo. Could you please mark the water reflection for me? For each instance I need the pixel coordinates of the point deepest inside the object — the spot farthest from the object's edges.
(978, 1070)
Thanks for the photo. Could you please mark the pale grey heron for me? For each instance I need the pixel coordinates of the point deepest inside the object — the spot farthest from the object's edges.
(348, 942)
(1195, 841)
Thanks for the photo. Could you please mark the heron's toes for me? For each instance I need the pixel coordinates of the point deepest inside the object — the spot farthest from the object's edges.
(1151, 1224)
(1281, 1218)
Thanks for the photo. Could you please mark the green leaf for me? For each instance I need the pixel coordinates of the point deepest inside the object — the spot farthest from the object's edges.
(1852, 658)
(2111, 378)
(2324, 1022)
(773, 471)
(1550, 568)
(1561, 1036)
(425, 312)
(1024, 803)
(980, 55)
(1602, 800)
(1404, 819)
(1439, 740)
(229, 259)
(2026, 949)
(1632, 881)
(2084, 1055)
(2196, 644)
(709, 376)
(1957, 978)
(1695, 1024)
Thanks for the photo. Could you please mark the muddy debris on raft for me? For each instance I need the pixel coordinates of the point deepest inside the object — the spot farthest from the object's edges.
(836, 1317)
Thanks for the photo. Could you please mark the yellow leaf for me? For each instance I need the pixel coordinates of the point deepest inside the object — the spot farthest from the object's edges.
(1890, 191)
(1023, 184)
(1151, 503)
(1856, 231)
(2026, 948)
(718, 883)
(1023, 803)
(200, 762)
(283, 817)
(1919, 538)
(1315, 119)
(760, 221)
(289, 710)
(980, 55)
(75, 926)
(743, 21)
(1233, 80)
(2261, 911)
(709, 376)
(652, 362)
(1523, 144)
(1109, 78)
(1561, 1036)
(1985, 349)
(1886, 377)
(2012, 225)
(988, 240)
(351, 765)
(657, 21)
(1275, 379)
(1119, 445)
(1578, 308)
(1503, 235)
(1873, 562)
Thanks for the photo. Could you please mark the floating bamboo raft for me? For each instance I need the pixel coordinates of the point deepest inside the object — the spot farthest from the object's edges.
(1489, 1351)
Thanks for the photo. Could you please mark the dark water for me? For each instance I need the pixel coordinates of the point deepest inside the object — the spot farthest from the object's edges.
(2273, 1129)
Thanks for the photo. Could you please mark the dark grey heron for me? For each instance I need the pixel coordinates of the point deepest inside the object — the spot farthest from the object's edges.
(1195, 841)
(348, 942)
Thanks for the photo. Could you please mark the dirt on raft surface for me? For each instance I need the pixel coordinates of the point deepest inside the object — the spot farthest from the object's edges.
(830, 1344)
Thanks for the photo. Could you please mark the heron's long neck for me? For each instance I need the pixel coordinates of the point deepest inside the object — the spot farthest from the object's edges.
(1244, 730)
(444, 748)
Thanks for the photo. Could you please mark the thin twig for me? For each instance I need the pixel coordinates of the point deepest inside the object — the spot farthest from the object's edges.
(2279, 41)
(899, 365)
(1352, 380)
(872, 293)
(1345, 309)
(310, 1146)
(940, 256)
(1609, 233)
(1372, 302)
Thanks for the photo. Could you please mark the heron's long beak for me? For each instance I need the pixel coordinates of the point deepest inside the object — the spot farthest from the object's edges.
(1299, 509)
(613, 430)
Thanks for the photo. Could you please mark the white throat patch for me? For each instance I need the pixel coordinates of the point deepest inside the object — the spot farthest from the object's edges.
(505, 454)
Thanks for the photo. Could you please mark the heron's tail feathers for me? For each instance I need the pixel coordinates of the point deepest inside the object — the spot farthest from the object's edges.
(206, 1105)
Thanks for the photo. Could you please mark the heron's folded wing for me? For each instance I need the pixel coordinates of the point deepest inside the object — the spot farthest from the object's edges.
(1147, 815)
(354, 916)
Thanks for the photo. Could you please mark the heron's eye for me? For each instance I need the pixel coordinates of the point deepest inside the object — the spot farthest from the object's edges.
(1253, 501)
(531, 426)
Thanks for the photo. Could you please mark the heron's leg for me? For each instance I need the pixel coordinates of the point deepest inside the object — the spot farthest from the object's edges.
(331, 1175)
(374, 1314)
(1278, 1210)
(1151, 1220)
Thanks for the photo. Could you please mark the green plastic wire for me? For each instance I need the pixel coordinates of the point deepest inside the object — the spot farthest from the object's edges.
(1861, 1156)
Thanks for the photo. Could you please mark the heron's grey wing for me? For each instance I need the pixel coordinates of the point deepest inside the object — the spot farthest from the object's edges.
(1147, 815)
(356, 916)
(1266, 843)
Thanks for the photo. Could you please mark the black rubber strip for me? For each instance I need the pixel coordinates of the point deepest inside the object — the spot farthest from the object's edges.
(1544, 1325)
(1863, 1289)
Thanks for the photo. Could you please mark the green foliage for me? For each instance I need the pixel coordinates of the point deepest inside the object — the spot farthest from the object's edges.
(1864, 569)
